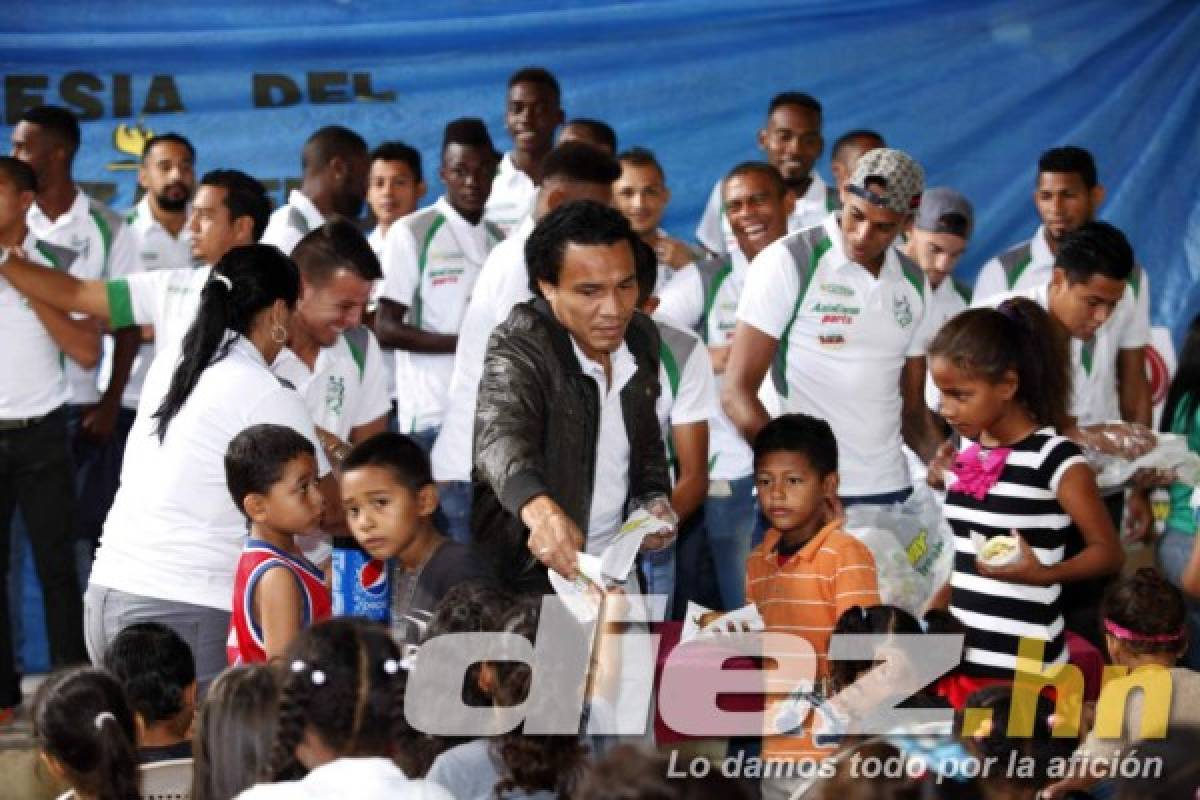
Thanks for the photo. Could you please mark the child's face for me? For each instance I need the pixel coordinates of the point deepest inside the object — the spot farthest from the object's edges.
(791, 493)
(971, 404)
(294, 503)
(384, 515)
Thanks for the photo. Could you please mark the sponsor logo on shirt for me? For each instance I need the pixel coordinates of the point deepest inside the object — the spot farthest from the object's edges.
(831, 340)
(335, 394)
(445, 275)
(81, 245)
(838, 289)
(902, 311)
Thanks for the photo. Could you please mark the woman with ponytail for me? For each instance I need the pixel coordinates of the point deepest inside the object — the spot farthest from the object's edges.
(86, 736)
(1021, 491)
(172, 538)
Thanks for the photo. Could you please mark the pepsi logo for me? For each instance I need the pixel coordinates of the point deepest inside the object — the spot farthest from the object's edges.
(372, 578)
(1159, 374)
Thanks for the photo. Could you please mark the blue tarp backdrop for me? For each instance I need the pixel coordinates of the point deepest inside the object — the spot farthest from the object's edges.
(974, 90)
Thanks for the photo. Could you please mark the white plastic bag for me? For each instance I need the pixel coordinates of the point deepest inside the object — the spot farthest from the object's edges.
(912, 545)
(1170, 454)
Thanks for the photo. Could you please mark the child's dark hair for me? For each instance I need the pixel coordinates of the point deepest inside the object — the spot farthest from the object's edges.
(630, 773)
(1185, 386)
(1180, 773)
(257, 275)
(82, 720)
(344, 682)
(645, 267)
(155, 667)
(256, 457)
(531, 762)
(865, 620)
(1042, 747)
(235, 733)
(1146, 613)
(1018, 335)
(811, 437)
(395, 452)
(847, 784)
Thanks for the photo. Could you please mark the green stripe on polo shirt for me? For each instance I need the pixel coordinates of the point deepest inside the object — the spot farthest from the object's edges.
(1135, 280)
(1014, 275)
(914, 275)
(1087, 353)
(671, 366)
(963, 290)
(711, 299)
(818, 252)
(49, 254)
(120, 303)
(105, 234)
(421, 262)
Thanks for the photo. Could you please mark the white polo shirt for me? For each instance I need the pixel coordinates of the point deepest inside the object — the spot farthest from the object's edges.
(689, 393)
(704, 297)
(610, 483)
(948, 300)
(292, 221)
(433, 259)
(165, 298)
(497, 290)
(345, 389)
(1094, 394)
(174, 532)
(155, 249)
(1031, 264)
(512, 197)
(375, 239)
(32, 381)
(104, 248)
(715, 233)
(844, 336)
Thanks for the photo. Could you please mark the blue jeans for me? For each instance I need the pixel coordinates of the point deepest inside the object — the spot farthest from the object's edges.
(425, 438)
(658, 569)
(454, 510)
(729, 526)
(1172, 553)
(884, 499)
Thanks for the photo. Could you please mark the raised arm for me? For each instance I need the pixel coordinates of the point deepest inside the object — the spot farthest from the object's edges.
(59, 290)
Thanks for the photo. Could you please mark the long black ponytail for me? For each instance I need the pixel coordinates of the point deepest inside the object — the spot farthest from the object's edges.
(244, 282)
(82, 720)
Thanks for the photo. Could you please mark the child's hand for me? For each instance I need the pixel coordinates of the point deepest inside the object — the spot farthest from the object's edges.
(1025, 569)
(939, 465)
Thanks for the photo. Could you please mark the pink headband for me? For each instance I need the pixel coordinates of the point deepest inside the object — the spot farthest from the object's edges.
(1133, 636)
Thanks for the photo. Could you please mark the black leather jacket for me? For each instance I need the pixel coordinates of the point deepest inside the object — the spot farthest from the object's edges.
(536, 425)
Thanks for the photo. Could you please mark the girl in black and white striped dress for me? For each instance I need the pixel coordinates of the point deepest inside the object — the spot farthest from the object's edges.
(1004, 383)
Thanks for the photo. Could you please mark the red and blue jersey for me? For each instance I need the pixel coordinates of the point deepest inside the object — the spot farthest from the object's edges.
(245, 644)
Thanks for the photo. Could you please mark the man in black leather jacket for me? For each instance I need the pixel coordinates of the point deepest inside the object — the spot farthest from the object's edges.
(553, 473)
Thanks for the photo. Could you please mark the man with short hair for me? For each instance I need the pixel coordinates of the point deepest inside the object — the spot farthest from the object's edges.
(641, 194)
(36, 477)
(431, 260)
(566, 432)
(847, 150)
(792, 142)
(572, 171)
(335, 165)
(595, 132)
(705, 298)
(395, 185)
(532, 112)
(839, 317)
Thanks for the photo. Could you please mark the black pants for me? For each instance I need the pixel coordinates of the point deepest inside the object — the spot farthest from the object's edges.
(36, 475)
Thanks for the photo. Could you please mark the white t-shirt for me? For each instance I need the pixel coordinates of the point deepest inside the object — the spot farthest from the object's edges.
(512, 198)
(844, 336)
(948, 300)
(360, 778)
(174, 532)
(687, 300)
(154, 250)
(168, 299)
(104, 250)
(31, 365)
(1094, 394)
(497, 290)
(1031, 264)
(345, 389)
(433, 258)
(689, 393)
(292, 221)
(715, 233)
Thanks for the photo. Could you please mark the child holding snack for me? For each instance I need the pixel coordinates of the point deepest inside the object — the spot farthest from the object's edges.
(271, 471)
(807, 571)
(1004, 386)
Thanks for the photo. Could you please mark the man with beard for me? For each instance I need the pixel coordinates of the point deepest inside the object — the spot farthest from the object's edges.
(792, 142)
(335, 164)
(431, 260)
(532, 112)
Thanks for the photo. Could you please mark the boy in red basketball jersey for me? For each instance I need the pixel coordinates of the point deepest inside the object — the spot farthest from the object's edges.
(271, 471)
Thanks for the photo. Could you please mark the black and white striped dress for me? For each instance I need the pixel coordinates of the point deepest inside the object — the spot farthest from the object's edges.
(998, 614)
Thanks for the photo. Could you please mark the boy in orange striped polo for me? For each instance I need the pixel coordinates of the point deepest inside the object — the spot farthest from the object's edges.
(807, 570)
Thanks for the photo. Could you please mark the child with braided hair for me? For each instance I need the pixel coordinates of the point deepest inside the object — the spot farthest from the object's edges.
(341, 717)
(86, 735)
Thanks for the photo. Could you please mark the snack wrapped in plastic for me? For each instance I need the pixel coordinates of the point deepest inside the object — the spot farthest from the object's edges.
(1169, 454)
(998, 550)
(1124, 440)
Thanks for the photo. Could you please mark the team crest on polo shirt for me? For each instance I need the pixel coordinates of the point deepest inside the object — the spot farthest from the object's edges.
(81, 245)
(838, 289)
(902, 311)
(335, 394)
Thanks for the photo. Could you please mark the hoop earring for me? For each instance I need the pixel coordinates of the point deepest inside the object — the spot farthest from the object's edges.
(278, 333)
